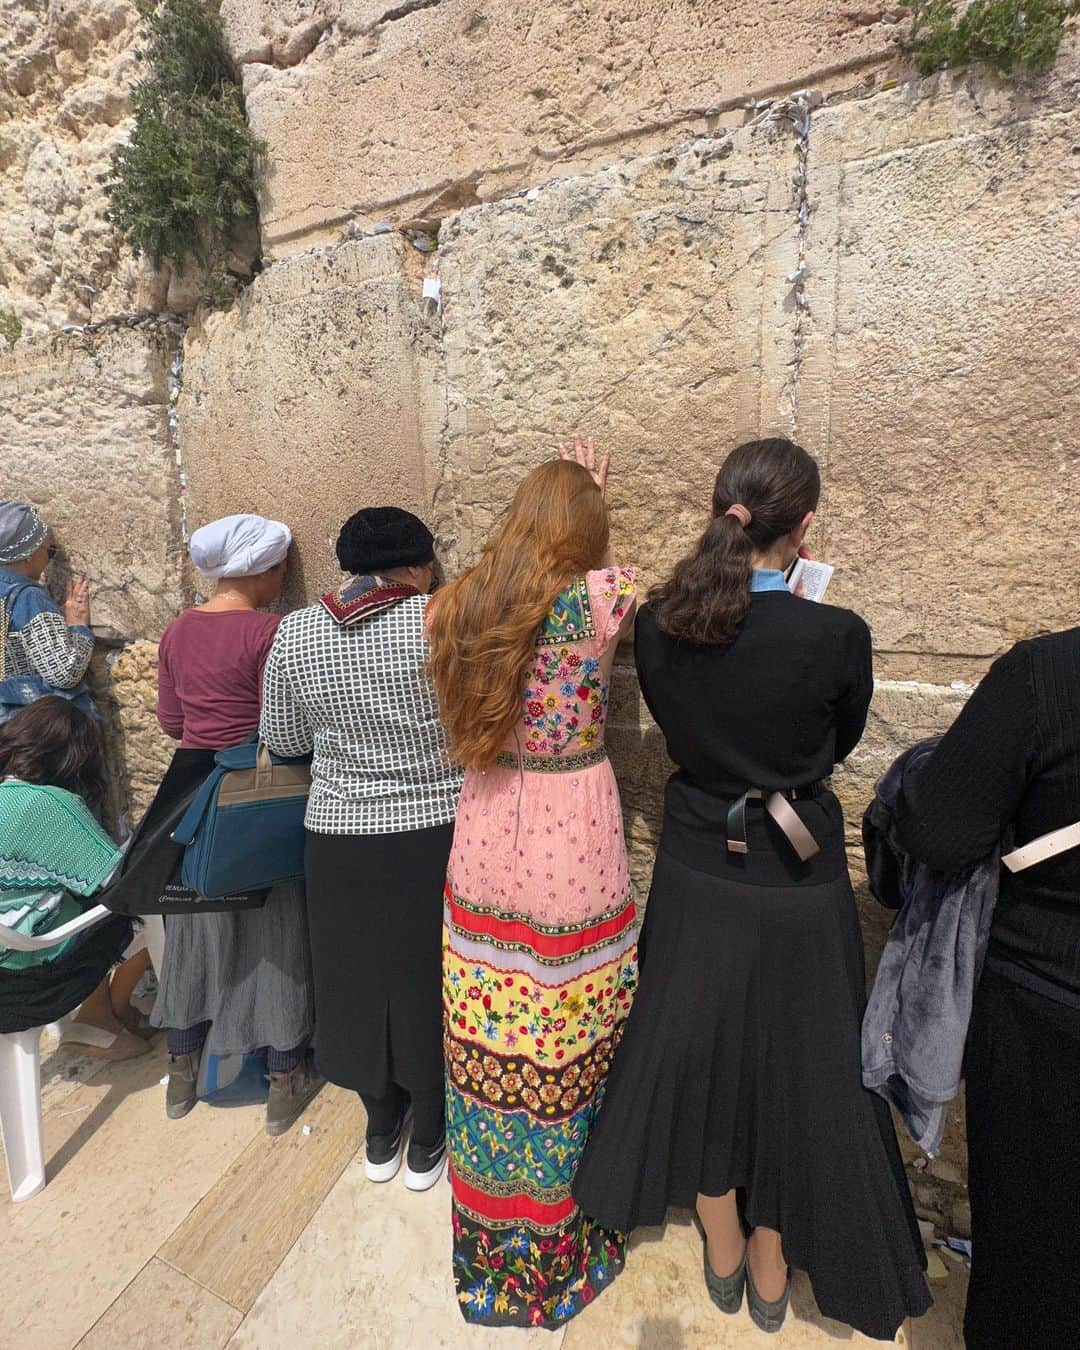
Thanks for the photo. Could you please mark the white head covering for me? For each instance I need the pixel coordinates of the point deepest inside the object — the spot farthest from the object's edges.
(239, 546)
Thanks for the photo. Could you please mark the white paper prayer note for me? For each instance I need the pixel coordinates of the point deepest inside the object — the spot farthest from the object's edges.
(813, 576)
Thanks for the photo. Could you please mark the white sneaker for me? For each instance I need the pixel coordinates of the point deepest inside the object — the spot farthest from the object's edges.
(383, 1154)
(425, 1165)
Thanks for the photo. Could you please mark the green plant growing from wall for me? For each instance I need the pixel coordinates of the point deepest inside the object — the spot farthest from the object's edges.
(185, 180)
(10, 327)
(1005, 34)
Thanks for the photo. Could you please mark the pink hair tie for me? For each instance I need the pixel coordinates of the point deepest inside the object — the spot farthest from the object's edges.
(741, 514)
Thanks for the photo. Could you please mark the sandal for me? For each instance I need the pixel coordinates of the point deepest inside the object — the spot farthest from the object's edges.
(101, 1044)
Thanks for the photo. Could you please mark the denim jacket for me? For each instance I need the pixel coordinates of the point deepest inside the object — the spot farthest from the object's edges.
(42, 655)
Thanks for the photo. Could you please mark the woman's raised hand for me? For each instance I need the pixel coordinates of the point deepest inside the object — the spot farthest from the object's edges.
(77, 603)
(584, 453)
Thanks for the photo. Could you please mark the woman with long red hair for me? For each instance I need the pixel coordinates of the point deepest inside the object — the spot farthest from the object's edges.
(540, 957)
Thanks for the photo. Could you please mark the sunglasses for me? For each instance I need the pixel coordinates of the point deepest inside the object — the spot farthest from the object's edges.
(52, 551)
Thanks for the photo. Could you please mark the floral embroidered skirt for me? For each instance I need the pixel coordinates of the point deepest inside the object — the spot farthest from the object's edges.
(533, 1012)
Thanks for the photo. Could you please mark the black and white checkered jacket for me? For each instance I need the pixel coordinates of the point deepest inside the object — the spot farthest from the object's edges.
(358, 697)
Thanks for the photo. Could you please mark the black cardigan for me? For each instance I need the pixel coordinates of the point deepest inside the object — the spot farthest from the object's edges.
(1010, 767)
(777, 708)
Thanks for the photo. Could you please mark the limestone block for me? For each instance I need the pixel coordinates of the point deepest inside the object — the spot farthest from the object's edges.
(406, 109)
(145, 748)
(265, 32)
(939, 385)
(83, 434)
(639, 304)
(312, 397)
(902, 713)
(65, 76)
(641, 765)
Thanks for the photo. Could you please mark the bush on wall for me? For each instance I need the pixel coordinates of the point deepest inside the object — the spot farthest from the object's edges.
(185, 181)
(1005, 34)
(10, 327)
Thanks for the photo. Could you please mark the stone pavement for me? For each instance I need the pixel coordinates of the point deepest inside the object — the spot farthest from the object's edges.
(204, 1233)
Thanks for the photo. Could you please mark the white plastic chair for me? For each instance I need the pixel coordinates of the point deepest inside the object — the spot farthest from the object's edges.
(20, 1056)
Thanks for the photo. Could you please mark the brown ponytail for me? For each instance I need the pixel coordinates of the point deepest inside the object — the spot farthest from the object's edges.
(707, 596)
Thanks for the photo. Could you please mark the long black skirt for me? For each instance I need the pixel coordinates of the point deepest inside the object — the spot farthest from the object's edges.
(740, 1068)
(39, 994)
(1023, 1113)
(374, 904)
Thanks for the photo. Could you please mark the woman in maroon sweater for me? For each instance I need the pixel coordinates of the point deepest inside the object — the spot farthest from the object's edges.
(237, 981)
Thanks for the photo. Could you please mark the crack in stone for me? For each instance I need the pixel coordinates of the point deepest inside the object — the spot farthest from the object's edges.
(542, 155)
(659, 75)
(403, 12)
(676, 333)
(796, 111)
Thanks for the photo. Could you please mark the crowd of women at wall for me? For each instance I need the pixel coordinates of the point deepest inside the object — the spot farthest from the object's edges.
(464, 818)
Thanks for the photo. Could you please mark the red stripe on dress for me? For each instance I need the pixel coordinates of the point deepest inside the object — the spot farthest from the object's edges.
(510, 1207)
(513, 931)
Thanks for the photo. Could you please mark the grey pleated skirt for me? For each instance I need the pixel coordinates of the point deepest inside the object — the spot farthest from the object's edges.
(248, 973)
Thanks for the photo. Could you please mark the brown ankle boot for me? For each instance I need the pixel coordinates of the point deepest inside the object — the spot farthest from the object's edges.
(183, 1077)
(290, 1092)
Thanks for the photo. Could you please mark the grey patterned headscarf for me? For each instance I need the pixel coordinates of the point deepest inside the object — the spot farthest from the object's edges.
(22, 531)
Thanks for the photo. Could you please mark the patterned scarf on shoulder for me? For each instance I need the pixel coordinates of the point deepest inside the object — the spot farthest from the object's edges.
(361, 597)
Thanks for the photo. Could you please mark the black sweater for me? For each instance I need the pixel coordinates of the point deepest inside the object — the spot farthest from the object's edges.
(1009, 769)
(777, 708)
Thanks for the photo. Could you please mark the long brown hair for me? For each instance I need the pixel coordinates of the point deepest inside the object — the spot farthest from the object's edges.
(483, 626)
(51, 743)
(708, 594)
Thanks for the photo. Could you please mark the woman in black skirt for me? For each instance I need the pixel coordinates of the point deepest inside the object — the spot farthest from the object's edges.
(346, 679)
(1011, 763)
(737, 1088)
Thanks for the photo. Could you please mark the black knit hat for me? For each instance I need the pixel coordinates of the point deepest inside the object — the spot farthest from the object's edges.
(383, 537)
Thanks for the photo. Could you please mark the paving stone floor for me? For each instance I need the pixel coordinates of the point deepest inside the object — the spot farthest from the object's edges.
(204, 1233)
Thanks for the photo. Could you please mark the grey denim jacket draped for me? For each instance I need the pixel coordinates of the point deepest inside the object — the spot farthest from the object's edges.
(917, 1016)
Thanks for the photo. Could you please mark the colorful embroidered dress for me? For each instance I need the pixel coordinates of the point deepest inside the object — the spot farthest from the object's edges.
(539, 969)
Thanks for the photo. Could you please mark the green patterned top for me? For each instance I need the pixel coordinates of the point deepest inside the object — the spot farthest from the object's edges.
(48, 838)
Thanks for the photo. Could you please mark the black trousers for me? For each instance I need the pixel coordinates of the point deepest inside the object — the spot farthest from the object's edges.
(385, 1113)
(1023, 1111)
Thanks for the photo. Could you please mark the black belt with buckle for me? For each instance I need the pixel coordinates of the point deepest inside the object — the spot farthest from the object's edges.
(778, 805)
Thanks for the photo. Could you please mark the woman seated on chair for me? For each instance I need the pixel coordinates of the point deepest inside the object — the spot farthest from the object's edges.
(55, 855)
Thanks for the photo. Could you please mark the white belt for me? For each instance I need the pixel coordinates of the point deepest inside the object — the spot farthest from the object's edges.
(1046, 846)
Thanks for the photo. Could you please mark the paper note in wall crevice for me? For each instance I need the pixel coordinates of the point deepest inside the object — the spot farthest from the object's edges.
(814, 577)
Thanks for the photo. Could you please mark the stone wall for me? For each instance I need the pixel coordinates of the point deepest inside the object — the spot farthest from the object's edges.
(84, 434)
(629, 303)
(376, 109)
(65, 75)
(143, 746)
(314, 396)
(944, 290)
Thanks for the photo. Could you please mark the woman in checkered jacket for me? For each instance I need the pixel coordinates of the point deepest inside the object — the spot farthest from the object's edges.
(346, 681)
